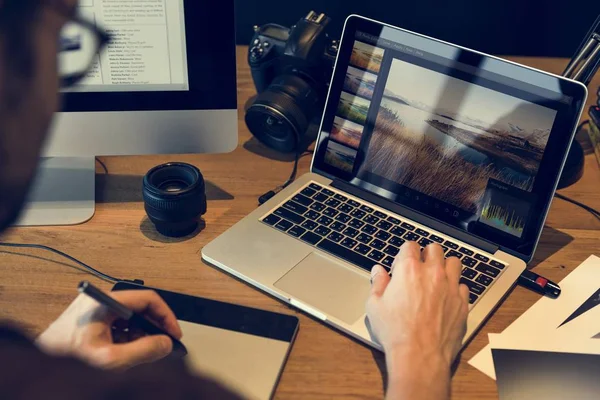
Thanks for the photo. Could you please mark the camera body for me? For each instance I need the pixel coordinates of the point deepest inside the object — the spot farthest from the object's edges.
(304, 47)
(291, 69)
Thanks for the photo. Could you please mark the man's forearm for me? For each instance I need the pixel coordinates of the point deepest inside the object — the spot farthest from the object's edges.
(417, 376)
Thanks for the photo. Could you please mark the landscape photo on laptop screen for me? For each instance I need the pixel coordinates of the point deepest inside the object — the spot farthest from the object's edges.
(453, 141)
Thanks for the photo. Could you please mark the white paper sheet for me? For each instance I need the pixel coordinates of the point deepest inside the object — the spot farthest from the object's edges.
(550, 344)
(544, 317)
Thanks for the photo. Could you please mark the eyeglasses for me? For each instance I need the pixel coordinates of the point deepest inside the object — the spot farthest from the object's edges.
(81, 42)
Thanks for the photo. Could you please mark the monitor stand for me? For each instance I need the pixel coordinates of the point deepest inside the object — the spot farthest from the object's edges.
(63, 193)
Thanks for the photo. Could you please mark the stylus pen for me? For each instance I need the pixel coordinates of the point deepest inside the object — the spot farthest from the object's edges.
(135, 319)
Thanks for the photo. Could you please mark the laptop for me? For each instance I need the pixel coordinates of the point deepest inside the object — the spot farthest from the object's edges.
(420, 140)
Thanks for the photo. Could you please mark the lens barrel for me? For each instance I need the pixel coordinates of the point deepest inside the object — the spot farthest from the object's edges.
(174, 198)
(280, 115)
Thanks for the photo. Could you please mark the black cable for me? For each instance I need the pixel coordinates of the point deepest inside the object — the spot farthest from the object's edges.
(292, 177)
(90, 269)
(581, 125)
(589, 209)
(99, 161)
(295, 169)
(270, 194)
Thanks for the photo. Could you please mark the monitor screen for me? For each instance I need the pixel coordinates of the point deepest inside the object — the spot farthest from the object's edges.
(456, 135)
(147, 51)
(158, 57)
(164, 83)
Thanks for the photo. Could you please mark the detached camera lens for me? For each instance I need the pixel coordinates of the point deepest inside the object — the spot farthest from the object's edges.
(174, 198)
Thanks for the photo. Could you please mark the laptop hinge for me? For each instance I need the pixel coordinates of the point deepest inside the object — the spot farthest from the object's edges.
(416, 216)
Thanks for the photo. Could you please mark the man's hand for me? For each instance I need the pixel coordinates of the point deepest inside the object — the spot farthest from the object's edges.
(85, 330)
(419, 316)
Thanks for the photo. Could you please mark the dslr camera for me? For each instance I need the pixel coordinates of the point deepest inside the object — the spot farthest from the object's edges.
(291, 69)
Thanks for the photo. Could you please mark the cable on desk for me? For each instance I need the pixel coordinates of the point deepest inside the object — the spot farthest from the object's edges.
(295, 169)
(99, 161)
(269, 195)
(589, 209)
(581, 125)
(292, 177)
(88, 268)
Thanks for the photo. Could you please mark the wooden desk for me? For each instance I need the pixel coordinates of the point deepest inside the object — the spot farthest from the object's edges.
(36, 286)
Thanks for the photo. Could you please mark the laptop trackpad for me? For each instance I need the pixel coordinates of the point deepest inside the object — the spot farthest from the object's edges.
(326, 285)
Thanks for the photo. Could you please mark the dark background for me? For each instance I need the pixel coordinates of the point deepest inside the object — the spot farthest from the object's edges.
(501, 27)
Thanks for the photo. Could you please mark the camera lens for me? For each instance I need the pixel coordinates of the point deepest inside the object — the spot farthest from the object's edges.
(279, 117)
(174, 198)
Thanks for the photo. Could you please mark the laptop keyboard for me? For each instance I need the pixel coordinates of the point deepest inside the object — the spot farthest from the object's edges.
(359, 234)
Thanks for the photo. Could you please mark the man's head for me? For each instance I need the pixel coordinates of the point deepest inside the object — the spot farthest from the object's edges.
(29, 35)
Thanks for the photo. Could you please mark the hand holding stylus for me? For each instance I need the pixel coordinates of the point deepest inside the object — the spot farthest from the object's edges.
(85, 330)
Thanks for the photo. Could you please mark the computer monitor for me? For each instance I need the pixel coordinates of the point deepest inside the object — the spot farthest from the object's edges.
(166, 84)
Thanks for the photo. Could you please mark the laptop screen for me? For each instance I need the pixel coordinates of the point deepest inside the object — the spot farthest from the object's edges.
(467, 139)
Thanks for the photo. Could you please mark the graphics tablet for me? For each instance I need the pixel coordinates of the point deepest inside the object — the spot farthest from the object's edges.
(243, 348)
